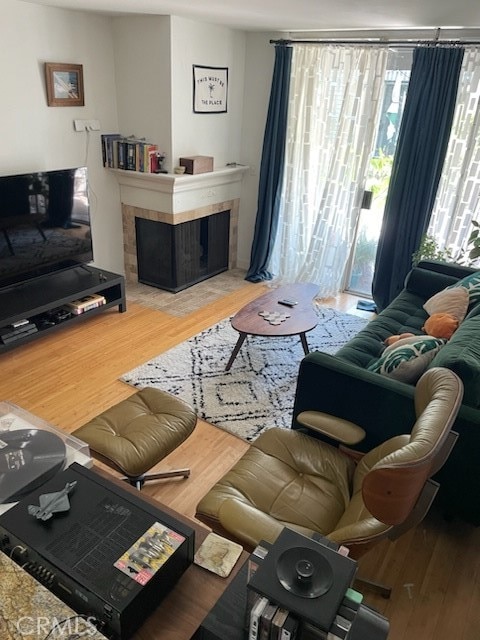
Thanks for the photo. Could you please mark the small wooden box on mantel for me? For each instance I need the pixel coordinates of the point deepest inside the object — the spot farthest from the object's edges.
(197, 164)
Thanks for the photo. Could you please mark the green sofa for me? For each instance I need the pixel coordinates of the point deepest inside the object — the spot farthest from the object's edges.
(342, 385)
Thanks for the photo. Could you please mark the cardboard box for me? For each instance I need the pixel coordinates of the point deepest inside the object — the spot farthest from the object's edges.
(197, 164)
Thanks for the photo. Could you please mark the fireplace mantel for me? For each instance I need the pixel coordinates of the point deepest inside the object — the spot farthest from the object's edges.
(171, 193)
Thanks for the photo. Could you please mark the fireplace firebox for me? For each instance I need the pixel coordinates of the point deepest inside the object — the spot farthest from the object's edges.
(174, 257)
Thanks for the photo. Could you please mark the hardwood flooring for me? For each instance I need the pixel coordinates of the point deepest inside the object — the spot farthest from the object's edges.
(72, 375)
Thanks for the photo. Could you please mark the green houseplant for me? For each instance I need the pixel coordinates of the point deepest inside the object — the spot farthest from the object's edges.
(473, 244)
(430, 250)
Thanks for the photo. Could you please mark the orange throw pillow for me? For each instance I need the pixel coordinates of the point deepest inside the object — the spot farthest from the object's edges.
(441, 325)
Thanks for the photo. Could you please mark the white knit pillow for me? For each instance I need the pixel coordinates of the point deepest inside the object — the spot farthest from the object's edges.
(453, 301)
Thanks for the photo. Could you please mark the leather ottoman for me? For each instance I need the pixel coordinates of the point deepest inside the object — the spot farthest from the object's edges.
(135, 434)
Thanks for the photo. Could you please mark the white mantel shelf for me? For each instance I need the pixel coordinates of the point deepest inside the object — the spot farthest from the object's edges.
(173, 193)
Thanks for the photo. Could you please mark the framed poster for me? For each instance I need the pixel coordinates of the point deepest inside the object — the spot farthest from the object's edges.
(210, 88)
(64, 84)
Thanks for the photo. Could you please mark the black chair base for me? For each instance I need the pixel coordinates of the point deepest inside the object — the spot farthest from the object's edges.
(139, 481)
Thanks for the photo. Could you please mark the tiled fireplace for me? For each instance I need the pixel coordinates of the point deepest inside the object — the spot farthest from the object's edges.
(175, 200)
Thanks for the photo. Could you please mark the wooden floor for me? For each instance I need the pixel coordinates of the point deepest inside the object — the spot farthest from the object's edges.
(72, 375)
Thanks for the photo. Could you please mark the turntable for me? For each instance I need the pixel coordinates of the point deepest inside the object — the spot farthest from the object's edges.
(31, 452)
(28, 458)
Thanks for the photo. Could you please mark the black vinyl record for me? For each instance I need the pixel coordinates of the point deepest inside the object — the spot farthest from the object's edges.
(28, 458)
(304, 572)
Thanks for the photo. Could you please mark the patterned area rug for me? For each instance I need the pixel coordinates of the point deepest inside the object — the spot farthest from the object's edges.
(258, 391)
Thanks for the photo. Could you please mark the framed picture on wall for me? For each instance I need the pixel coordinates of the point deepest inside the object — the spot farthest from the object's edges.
(64, 84)
(210, 89)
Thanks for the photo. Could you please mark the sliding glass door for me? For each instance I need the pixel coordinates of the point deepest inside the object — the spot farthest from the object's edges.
(362, 257)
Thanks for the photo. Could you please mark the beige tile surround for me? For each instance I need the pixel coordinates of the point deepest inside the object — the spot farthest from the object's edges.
(129, 213)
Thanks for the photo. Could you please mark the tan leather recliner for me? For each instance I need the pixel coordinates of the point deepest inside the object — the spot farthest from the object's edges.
(288, 478)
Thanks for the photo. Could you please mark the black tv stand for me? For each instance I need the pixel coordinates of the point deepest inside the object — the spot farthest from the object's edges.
(84, 266)
(41, 301)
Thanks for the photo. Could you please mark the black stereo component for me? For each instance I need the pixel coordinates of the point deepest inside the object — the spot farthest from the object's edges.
(58, 315)
(311, 579)
(105, 551)
(17, 331)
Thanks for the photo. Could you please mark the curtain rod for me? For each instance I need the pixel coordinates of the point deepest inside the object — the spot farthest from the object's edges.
(384, 43)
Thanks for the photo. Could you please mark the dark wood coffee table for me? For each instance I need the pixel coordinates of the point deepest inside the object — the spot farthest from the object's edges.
(303, 317)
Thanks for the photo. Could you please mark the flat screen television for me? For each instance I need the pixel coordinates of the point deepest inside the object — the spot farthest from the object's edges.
(44, 223)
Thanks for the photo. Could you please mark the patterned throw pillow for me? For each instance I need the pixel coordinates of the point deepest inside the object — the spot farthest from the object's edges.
(408, 362)
(472, 285)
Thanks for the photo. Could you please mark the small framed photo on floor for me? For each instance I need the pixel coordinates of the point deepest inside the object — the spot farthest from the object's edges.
(210, 89)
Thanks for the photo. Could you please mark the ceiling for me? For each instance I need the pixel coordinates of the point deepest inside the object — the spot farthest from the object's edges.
(295, 15)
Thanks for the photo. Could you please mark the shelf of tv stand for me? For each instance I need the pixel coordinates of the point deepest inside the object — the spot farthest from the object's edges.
(35, 297)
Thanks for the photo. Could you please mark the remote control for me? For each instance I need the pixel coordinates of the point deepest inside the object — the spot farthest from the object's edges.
(288, 303)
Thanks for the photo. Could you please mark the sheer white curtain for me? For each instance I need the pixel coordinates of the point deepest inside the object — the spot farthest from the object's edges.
(458, 196)
(335, 99)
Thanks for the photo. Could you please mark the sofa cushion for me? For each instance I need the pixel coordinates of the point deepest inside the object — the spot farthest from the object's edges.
(425, 283)
(406, 362)
(453, 301)
(462, 355)
(405, 315)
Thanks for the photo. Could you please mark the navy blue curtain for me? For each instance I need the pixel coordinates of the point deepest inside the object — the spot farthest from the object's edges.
(271, 168)
(417, 166)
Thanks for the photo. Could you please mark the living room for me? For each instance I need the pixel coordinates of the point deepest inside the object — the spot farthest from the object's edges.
(71, 376)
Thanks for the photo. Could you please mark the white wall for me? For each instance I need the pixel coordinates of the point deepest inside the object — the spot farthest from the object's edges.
(35, 137)
(207, 134)
(143, 71)
(153, 61)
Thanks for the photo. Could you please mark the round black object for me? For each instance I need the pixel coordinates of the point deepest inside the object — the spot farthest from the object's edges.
(28, 458)
(304, 572)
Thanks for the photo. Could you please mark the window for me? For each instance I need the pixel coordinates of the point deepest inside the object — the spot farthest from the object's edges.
(458, 196)
(362, 259)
